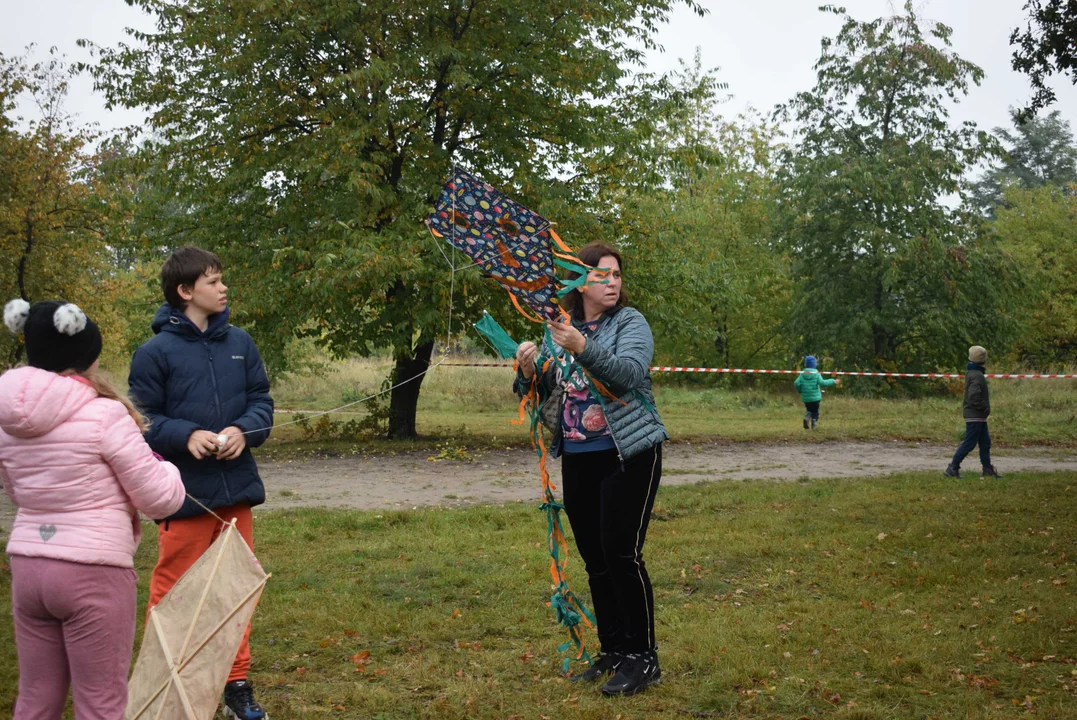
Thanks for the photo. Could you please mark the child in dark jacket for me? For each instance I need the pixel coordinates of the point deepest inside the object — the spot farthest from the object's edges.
(202, 384)
(810, 383)
(976, 409)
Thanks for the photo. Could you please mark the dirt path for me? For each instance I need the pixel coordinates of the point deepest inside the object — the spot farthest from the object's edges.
(412, 480)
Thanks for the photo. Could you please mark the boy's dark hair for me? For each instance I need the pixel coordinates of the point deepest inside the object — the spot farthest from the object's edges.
(184, 267)
(591, 255)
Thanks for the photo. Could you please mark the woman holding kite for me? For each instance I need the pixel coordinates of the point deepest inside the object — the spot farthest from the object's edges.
(609, 435)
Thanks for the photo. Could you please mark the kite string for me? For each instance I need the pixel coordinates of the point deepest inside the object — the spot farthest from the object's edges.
(197, 502)
(445, 354)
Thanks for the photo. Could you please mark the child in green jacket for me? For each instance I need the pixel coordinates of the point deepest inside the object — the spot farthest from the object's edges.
(810, 383)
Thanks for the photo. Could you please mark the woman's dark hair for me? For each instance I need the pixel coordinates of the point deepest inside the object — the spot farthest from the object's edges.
(184, 267)
(591, 254)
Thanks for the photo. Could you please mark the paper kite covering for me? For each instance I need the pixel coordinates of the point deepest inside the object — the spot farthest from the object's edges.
(194, 633)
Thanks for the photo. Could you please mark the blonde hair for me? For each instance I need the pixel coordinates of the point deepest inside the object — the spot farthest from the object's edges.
(104, 387)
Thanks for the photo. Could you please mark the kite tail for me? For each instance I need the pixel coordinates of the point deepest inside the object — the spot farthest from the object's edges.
(567, 607)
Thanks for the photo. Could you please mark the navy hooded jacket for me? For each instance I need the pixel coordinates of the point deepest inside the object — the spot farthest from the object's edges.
(184, 380)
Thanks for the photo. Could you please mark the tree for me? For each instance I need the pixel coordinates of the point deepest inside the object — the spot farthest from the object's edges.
(702, 264)
(1046, 47)
(306, 142)
(1040, 152)
(691, 210)
(889, 276)
(1038, 227)
(51, 220)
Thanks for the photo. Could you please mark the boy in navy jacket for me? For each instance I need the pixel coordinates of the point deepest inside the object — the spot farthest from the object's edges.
(200, 381)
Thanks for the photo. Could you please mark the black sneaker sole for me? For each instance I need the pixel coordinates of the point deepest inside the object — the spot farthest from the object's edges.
(805, 424)
(635, 690)
(228, 714)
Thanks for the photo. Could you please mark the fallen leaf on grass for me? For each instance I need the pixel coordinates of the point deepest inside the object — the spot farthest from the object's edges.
(361, 660)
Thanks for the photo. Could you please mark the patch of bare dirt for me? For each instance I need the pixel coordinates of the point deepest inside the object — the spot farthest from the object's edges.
(410, 480)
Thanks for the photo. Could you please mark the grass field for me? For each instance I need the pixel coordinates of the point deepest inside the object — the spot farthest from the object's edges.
(905, 597)
(475, 405)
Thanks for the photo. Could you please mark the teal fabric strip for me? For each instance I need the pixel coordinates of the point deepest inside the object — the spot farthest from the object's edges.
(501, 340)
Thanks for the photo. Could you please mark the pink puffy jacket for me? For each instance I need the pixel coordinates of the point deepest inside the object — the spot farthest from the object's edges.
(77, 467)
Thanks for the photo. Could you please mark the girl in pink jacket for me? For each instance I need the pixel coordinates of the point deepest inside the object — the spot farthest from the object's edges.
(73, 461)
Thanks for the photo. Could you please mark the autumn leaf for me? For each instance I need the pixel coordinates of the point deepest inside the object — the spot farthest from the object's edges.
(361, 660)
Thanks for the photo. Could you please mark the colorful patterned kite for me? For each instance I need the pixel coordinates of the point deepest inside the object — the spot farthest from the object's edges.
(515, 247)
(512, 244)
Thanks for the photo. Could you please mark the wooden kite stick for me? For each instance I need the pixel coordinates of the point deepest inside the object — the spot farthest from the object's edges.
(237, 608)
(174, 679)
(209, 584)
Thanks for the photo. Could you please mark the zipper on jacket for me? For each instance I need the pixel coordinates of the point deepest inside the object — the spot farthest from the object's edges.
(213, 379)
(220, 415)
(620, 458)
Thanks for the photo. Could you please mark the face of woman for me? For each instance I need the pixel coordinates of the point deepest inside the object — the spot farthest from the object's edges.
(598, 296)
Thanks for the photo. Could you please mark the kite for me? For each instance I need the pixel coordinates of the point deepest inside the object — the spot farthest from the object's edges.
(512, 245)
(520, 250)
(194, 633)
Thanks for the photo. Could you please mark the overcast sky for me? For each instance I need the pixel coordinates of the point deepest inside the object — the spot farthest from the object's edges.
(765, 49)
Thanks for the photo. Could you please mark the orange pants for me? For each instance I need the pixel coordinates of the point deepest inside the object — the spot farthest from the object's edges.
(180, 543)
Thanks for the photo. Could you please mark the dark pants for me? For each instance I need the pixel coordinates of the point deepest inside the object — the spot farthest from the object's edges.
(975, 434)
(608, 509)
(813, 410)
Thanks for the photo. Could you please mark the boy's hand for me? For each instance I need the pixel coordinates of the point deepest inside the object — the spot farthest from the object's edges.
(235, 444)
(202, 443)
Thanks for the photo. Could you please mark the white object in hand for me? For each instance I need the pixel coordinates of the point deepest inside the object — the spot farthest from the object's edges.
(222, 440)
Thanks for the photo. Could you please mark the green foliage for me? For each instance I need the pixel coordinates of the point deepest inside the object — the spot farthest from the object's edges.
(1039, 228)
(306, 141)
(696, 240)
(55, 226)
(888, 275)
(709, 278)
(1039, 152)
(1045, 47)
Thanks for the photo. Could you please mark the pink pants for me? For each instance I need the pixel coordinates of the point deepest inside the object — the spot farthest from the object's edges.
(74, 626)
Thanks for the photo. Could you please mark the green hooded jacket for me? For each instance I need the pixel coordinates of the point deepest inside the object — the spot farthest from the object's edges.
(810, 383)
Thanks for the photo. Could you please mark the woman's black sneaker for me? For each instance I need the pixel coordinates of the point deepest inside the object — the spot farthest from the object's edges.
(606, 664)
(635, 674)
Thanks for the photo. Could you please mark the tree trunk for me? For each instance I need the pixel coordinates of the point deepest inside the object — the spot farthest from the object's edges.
(404, 399)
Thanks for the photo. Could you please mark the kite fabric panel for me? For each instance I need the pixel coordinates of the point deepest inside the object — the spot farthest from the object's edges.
(499, 339)
(194, 633)
(509, 242)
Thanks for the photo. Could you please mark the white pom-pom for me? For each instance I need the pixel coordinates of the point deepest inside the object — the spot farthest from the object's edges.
(15, 314)
(69, 319)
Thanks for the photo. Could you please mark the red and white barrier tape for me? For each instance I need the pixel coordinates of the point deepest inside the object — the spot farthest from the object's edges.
(670, 368)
